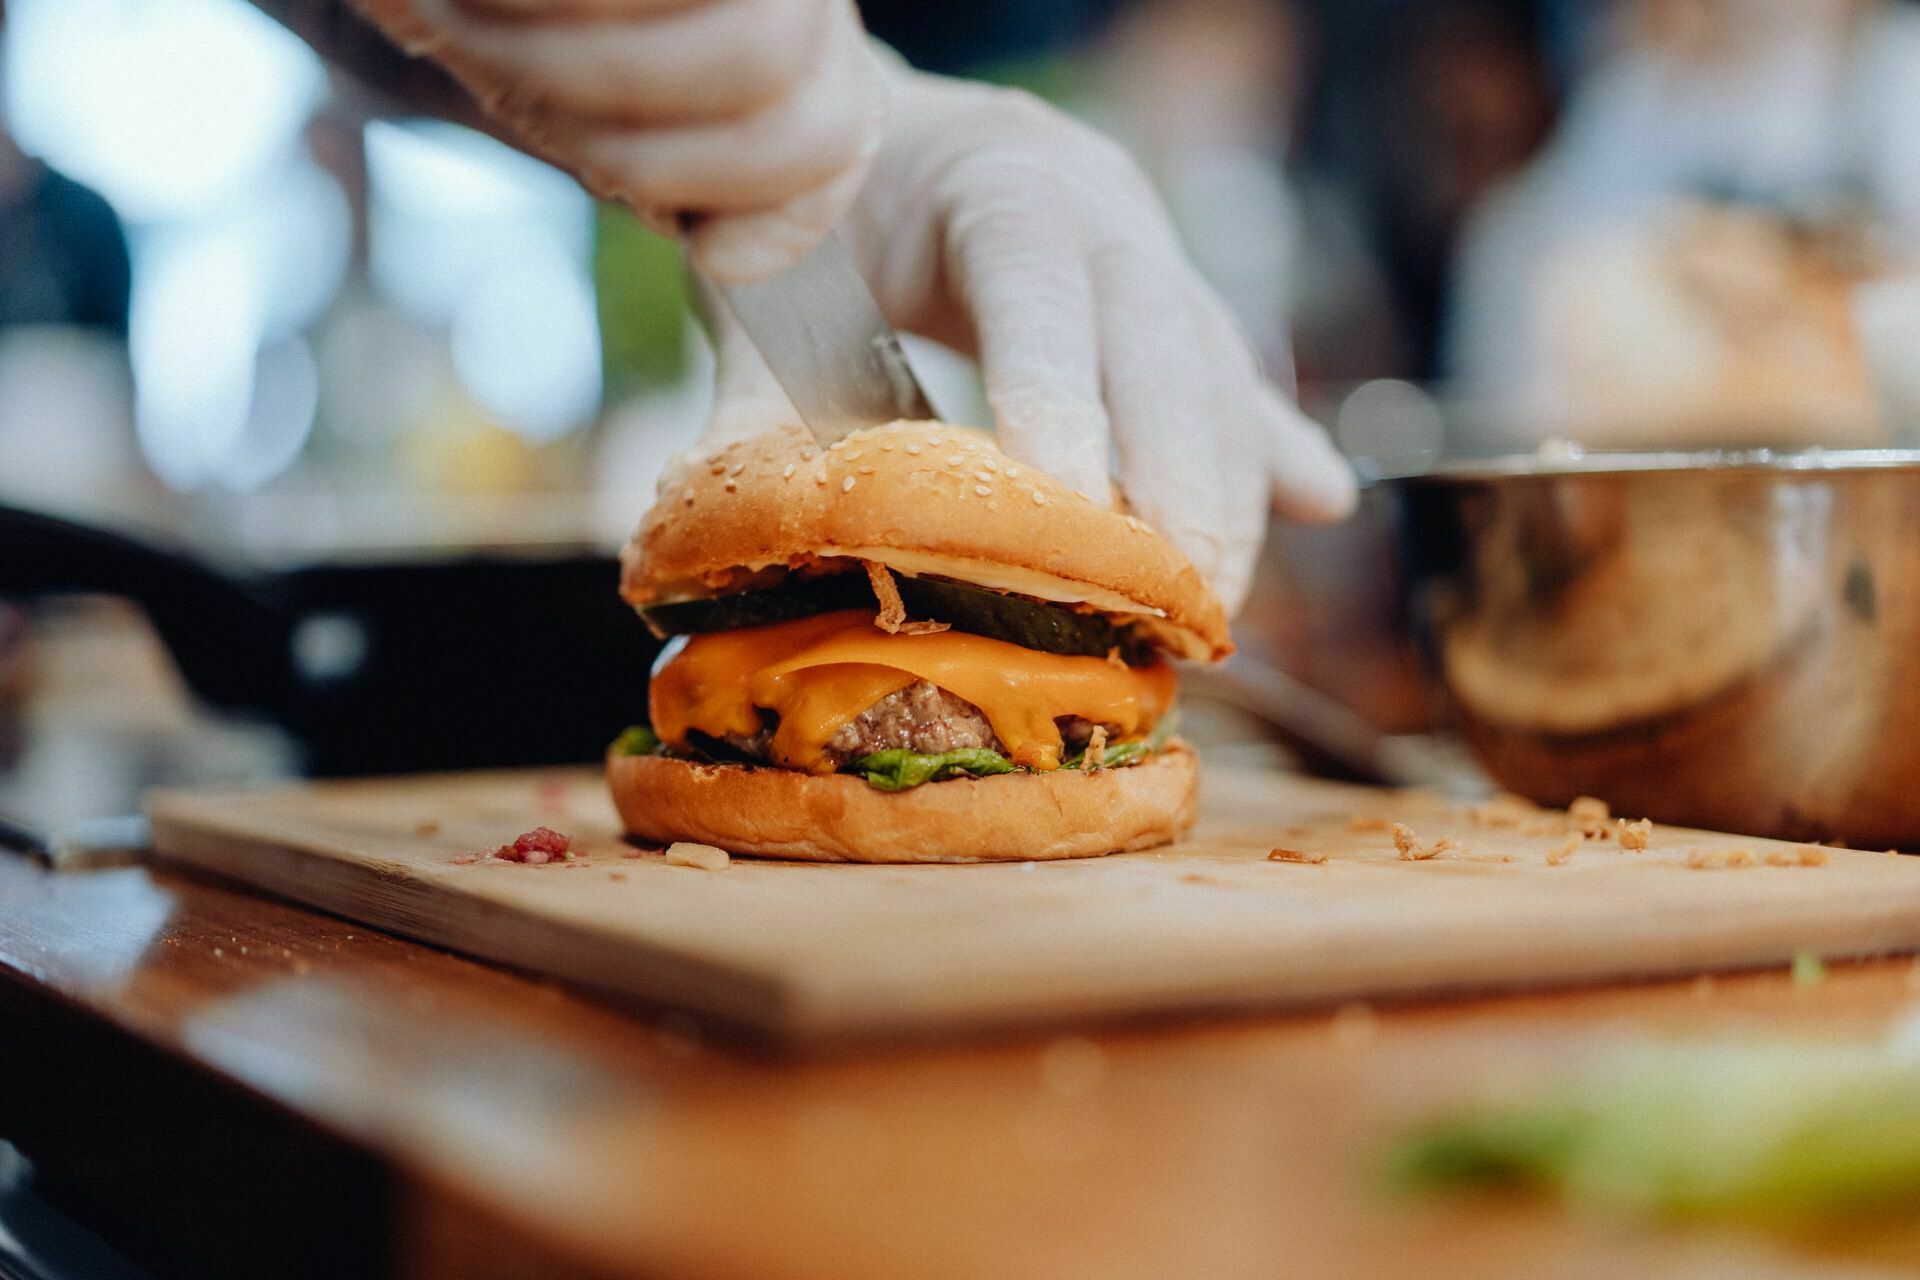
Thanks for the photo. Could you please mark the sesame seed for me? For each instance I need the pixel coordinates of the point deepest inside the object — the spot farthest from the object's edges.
(993, 506)
(866, 468)
(1013, 473)
(688, 497)
(819, 477)
(956, 459)
(1083, 495)
(852, 454)
(737, 468)
(730, 486)
(846, 485)
(1039, 498)
(983, 475)
(807, 455)
(1133, 522)
(934, 441)
(841, 443)
(914, 450)
(886, 446)
(786, 473)
(982, 490)
(717, 466)
(989, 463)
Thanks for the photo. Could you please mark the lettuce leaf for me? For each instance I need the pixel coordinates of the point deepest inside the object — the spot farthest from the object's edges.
(1132, 751)
(639, 740)
(897, 769)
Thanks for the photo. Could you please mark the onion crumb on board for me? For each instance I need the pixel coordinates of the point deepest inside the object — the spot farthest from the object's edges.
(1801, 855)
(1505, 810)
(1295, 855)
(1720, 859)
(1591, 817)
(685, 853)
(1411, 850)
(1561, 854)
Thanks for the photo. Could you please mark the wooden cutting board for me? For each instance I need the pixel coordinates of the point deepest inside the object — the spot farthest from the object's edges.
(810, 953)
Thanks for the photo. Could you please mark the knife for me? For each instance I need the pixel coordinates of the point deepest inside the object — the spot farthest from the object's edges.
(829, 347)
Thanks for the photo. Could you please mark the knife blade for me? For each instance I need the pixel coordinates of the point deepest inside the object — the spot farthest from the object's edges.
(822, 334)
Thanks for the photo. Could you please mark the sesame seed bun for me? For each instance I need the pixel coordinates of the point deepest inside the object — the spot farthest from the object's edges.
(1016, 817)
(921, 498)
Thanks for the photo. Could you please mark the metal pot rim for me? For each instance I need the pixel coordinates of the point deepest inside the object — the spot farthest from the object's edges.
(1542, 464)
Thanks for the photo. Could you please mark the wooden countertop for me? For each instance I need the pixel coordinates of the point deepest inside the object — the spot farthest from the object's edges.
(228, 1085)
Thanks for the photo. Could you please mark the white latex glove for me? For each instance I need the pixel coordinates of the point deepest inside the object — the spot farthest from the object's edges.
(758, 116)
(1009, 231)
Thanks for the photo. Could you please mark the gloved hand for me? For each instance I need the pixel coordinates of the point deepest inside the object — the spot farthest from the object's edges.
(1009, 231)
(759, 115)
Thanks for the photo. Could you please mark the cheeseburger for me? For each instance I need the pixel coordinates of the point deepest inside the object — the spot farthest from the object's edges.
(906, 647)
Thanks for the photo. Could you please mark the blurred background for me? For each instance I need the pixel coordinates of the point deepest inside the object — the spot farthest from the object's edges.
(407, 389)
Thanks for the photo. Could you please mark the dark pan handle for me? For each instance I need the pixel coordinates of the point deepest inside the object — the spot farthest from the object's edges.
(229, 641)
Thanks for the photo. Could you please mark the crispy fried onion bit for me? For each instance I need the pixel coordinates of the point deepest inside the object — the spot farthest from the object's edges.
(892, 617)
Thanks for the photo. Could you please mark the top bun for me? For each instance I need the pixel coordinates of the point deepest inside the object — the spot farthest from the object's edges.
(921, 498)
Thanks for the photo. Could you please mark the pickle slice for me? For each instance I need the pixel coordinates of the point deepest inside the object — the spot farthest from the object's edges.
(801, 598)
(1031, 624)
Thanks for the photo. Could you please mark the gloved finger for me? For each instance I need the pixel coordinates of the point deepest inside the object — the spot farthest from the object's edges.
(1023, 277)
(798, 144)
(1240, 437)
(1312, 480)
(1160, 366)
(714, 61)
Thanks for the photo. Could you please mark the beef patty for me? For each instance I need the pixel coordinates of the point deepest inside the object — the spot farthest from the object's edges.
(921, 718)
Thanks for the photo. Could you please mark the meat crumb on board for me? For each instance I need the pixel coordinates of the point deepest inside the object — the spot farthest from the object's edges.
(1295, 855)
(685, 853)
(1635, 836)
(534, 848)
(1561, 854)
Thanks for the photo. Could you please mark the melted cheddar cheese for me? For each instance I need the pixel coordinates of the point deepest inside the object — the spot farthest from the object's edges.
(818, 673)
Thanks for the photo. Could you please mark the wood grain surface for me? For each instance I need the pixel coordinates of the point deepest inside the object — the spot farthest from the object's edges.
(237, 1087)
(811, 954)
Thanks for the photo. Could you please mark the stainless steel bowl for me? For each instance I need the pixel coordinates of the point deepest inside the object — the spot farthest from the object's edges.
(1721, 640)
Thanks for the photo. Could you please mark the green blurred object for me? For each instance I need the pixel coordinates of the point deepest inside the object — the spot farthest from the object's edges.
(897, 769)
(1808, 971)
(1784, 1136)
(640, 280)
(638, 740)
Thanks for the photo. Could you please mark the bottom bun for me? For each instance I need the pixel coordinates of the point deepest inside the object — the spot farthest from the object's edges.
(1014, 817)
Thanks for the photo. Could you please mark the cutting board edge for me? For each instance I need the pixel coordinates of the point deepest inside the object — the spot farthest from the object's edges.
(822, 1031)
(746, 1001)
